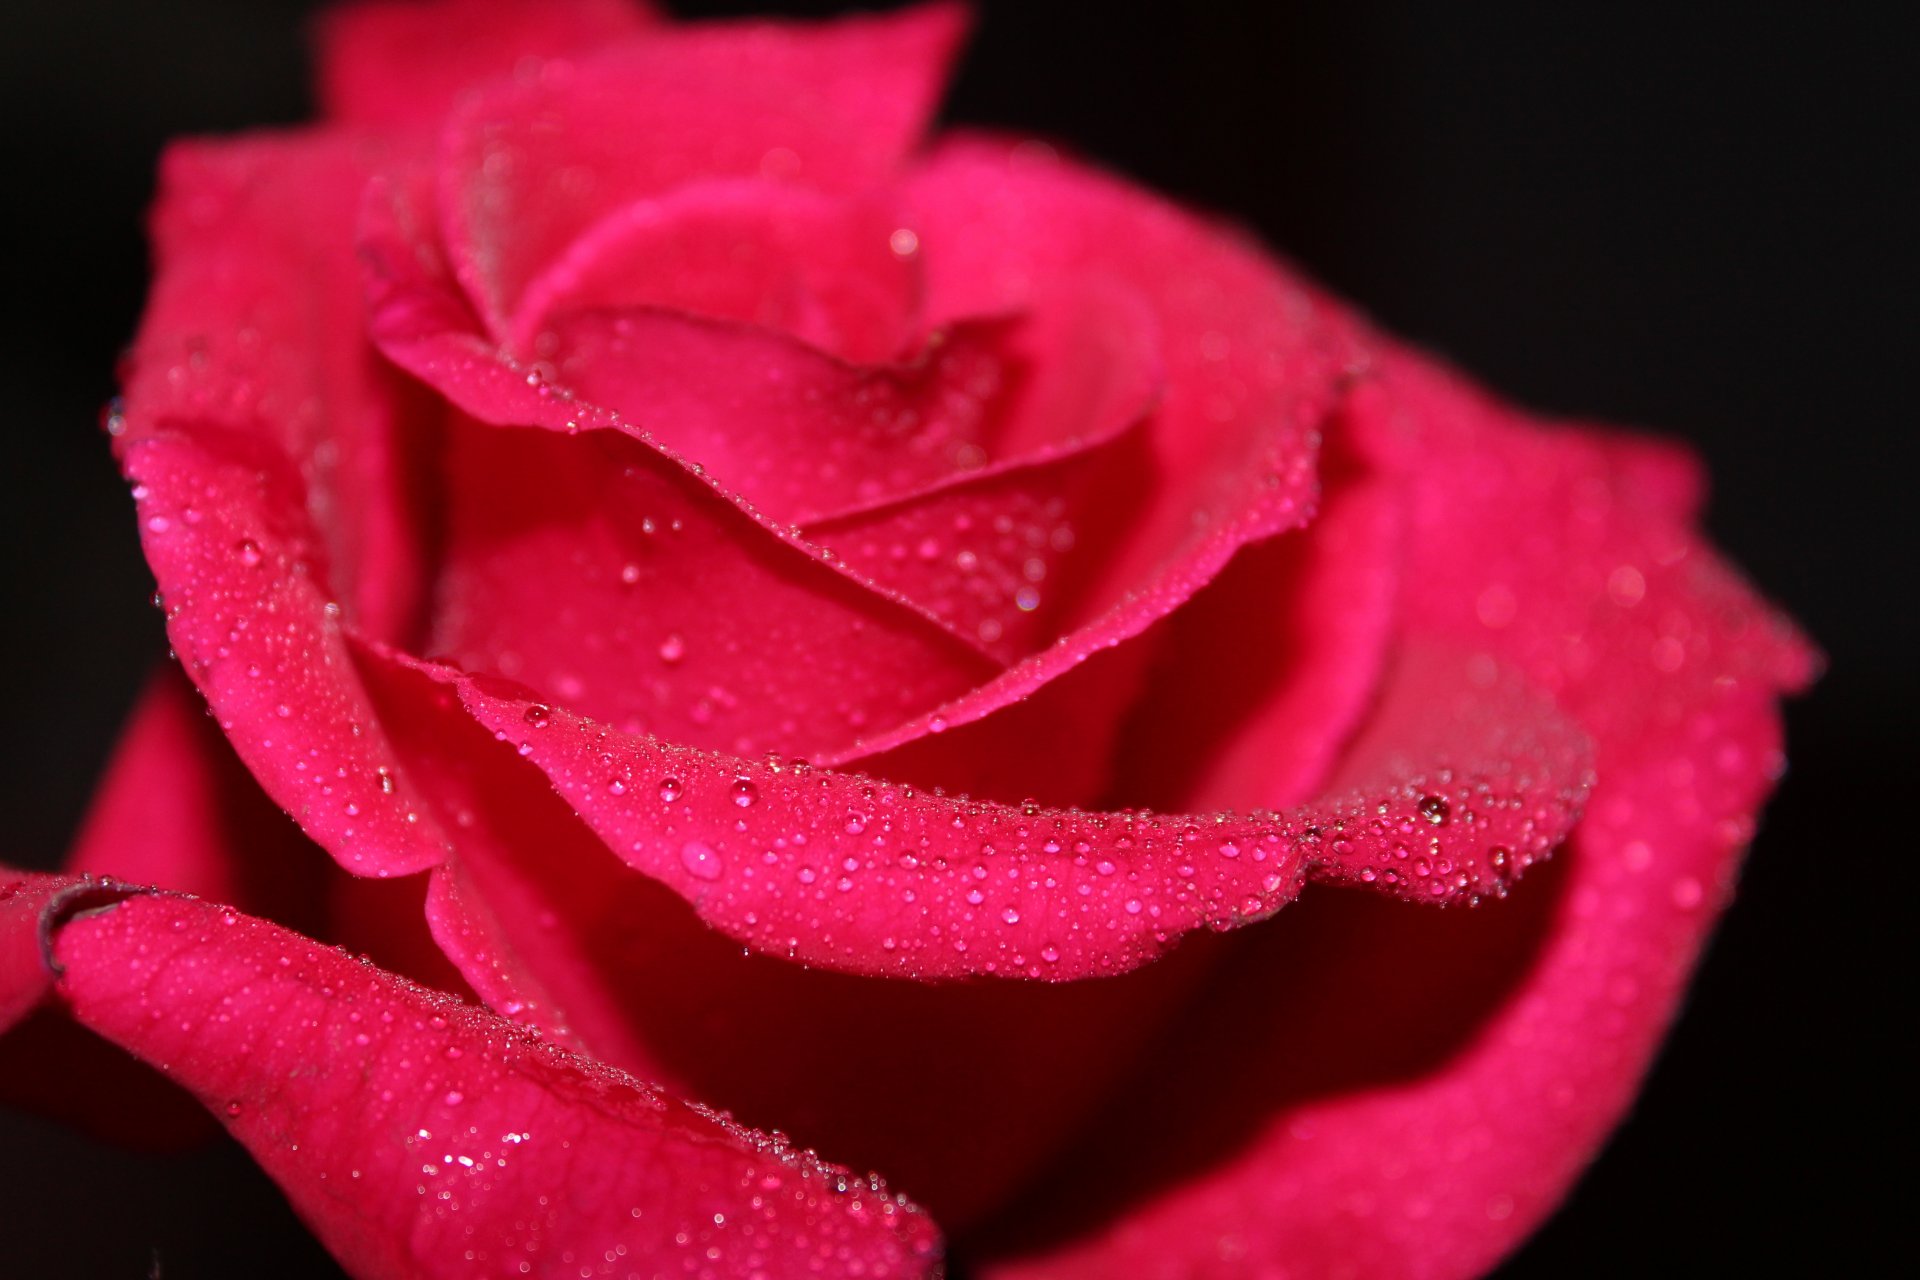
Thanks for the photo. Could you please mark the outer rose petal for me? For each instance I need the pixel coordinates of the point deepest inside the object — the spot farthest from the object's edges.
(260, 431)
(420, 1137)
(176, 806)
(622, 966)
(403, 62)
(1429, 1134)
(1465, 779)
(254, 327)
(24, 976)
(831, 105)
(223, 530)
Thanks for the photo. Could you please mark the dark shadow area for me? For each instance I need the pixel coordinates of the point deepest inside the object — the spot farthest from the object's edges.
(1341, 993)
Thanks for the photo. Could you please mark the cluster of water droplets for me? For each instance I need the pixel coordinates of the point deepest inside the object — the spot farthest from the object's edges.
(875, 876)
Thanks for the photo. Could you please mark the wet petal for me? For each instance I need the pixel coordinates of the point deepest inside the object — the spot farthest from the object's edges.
(559, 933)
(1264, 676)
(823, 269)
(395, 63)
(526, 168)
(261, 434)
(440, 1148)
(1460, 1078)
(874, 877)
(1253, 361)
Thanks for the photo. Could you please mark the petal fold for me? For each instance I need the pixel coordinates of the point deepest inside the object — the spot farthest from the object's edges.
(526, 168)
(400, 63)
(421, 1137)
(868, 876)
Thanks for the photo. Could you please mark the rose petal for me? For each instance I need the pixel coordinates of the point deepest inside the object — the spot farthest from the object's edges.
(796, 433)
(248, 391)
(49, 1066)
(1429, 1134)
(439, 1149)
(253, 327)
(621, 965)
(223, 527)
(569, 556)
(1267, 671)
(394, 63)
(822, 269)
(1254, 361)
(592, 570)
(874, 877)
(526, 168)
(176, 808)
(25, 977)
(1003, 552)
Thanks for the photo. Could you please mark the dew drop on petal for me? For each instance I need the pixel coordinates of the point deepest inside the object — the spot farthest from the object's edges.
(700, 860)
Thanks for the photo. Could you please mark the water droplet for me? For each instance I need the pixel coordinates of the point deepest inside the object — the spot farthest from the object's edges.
(537, 714)
(670, 790)
(249, 552)
(672, 649)
(1435, 810)
(700, 860)
(745, 793)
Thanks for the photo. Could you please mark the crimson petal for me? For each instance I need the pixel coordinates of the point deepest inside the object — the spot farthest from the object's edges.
(831, 105)
(1254, 363)
(1459, 1080)
(421, 1137)
(821, 268)
(245, 397)
(874, 877)
(396, 63)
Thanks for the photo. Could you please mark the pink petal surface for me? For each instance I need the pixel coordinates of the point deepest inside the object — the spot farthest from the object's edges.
(248, 330)
(1430, 1135)
(24, 976)
(438, 1152)
(1264, 676)
(598, 573)
(619, 964)
(874, 877)
(828, 271)
(249, 389)
(588, 559)
(797, 434)
(1252, 360)
(396, 63)
(833, 106)
(225, 535)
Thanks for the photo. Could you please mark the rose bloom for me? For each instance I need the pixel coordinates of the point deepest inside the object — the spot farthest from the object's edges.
(780, 634)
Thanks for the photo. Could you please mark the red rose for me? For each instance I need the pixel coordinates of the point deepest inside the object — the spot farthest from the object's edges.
(847, 628)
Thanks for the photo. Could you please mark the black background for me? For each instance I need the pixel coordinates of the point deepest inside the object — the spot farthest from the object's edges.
(1679, 217)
